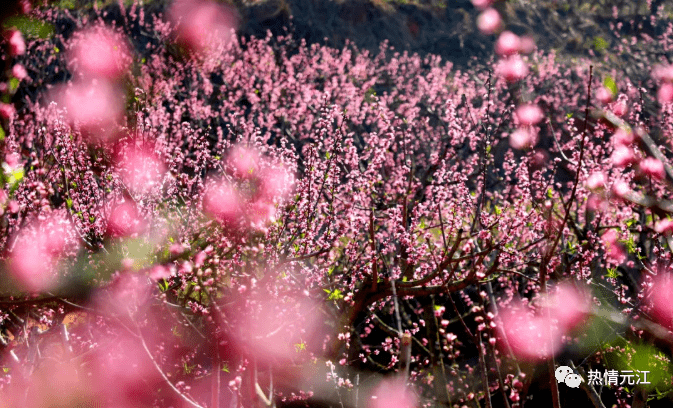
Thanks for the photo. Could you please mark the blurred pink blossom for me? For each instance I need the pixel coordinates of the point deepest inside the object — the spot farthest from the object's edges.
(527, 44)
(531, 337)
(663, 73)
(481, 4)
(37, 250)
(124, 220)
(19, 72)
(95, 106)
(568, 305)
(529, 114)
(623, 137)
(393, 393)
(489, 21)
(17, 46)
(623, 156)
(659, 299)
(620, 188)
(99, 52)
(245, 162)
(508, 43)
(604, 95)
(523, 138)
(665, 93)
(596, 181)
(664, 226)
(141, 170)
(222, 202)
(202, 25)
(614, 249)
(7, 110)
(620, 108)
(652, 167)
(512, 68)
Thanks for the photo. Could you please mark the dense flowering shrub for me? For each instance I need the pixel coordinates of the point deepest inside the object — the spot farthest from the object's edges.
(246, 222)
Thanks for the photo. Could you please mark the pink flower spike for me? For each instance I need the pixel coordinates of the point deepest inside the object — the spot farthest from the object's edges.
(596, 181)
(652, 167)
(99, 52)
(512, 68)
(17, 46)
(489, 21)
(529, 114)
(508, 43)
(664, 226)
(19, 72)
(665, 93)
(523, 138)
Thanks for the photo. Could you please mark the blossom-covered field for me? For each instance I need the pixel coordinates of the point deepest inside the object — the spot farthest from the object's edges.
(191, 217)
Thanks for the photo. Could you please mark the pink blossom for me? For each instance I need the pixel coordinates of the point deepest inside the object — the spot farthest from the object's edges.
(663, 73)
(529, 114)
(620, 108)
(37, 251)
(508, 43)
(275, 183)
(664, 226)
(596, 181)
(567, 305)
(604, 95)
(222, 202)
(620, 188)
(489, 21)
(245, 162)
(202, 24)
(17, 46)
(512, 68)
(623, 137)
(19, 72)
(523, 138)
(141, 170)
(392, 393)
(96, 107)
(659, 299)
(123, 220)
(531, 337)
(614, 250)
(99, 52)
(665, 93)
(481, 4)
(527, 44)
(652, 167)
(623, 156)
(7, 110)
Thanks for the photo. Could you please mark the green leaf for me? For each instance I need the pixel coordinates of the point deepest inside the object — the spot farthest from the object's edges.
(68, 202)
(610, 84)
(2, 134)
(13, 85)
(225, 368)
(600, 44)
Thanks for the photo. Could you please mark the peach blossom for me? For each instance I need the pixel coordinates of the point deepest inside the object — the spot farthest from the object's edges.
(508, 43)
(523, 138)
(99, 52)
(489, 21)
(529, 114)
(652, 167)
(512, 68)
(201, 25)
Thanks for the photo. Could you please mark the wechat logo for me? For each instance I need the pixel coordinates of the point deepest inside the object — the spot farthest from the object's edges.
(565, 374)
